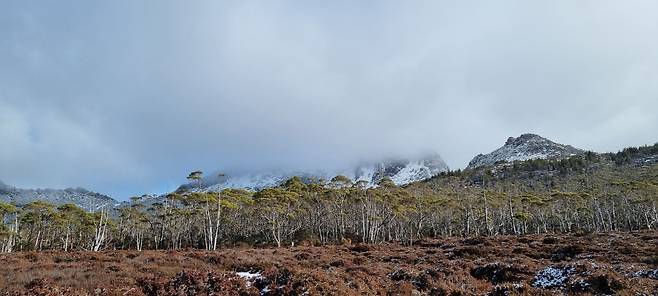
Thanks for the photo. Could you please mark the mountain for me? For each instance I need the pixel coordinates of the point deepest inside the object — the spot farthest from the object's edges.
(402, 171)
(525, 147)
(81, 197)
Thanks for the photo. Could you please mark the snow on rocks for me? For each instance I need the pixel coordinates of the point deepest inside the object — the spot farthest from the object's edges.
(652, 274)
(248, 276)
(270, 282)
(525, 147)
(553, 277)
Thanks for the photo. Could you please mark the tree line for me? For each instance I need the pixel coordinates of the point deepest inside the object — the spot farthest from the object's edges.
(591, 195)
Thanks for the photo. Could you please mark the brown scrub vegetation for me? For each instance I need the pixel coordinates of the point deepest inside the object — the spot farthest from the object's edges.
(618, 263)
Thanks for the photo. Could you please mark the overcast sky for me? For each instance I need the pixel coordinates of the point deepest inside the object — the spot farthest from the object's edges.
(126, 97)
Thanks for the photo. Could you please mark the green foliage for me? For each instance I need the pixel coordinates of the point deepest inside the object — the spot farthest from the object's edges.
(195, 176)
(386, 182)
(6, 208)
(276, 198)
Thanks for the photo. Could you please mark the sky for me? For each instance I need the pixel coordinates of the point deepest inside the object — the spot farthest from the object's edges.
(126, 97)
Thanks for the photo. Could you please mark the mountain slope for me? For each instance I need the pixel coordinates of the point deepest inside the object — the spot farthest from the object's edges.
(83, 198)
(401, 171)
(525, 147)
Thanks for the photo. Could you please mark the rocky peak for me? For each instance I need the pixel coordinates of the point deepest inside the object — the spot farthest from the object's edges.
(524, 138)
(524, 147)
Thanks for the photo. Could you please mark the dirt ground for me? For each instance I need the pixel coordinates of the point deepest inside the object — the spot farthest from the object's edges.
(585, 264)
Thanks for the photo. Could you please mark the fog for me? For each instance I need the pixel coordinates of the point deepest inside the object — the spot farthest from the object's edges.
(127, 97)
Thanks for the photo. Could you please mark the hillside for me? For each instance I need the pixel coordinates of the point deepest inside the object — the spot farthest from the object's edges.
(589, 191)
(88, 200)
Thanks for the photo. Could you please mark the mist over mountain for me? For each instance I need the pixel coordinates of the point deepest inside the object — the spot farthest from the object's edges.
(4, 187)
(401, 171)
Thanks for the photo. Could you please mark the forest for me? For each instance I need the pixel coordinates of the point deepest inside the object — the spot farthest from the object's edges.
(582, 194)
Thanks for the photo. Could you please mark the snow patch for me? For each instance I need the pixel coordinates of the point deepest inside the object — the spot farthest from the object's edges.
(552, 277)
(414, 171)
(652, 274)
(249, 277)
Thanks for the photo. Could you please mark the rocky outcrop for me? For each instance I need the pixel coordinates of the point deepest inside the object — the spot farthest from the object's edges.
(525, 147)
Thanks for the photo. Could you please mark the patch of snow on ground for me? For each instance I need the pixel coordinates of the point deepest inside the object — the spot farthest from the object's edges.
(551, 277)
(249, 277)
(652, 274)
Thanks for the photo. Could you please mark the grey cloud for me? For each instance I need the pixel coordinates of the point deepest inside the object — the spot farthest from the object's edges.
(126, 97)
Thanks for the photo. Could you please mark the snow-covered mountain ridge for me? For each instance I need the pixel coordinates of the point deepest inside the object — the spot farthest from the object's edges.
(525, 147)
(88, 200)
(400, 171)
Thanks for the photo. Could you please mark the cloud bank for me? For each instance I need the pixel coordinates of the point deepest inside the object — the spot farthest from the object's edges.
(126, 97)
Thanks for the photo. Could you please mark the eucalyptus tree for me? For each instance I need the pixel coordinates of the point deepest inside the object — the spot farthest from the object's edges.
(340, 191)
(279, 207)
(180, 219)
(196, 178)
(426, 207)
(75, 223)
(237, 207)
(377, 211)
(37, 217)
(210, 205)
(8, 226)
(101, 232)
(135, 222)
(320, 212)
